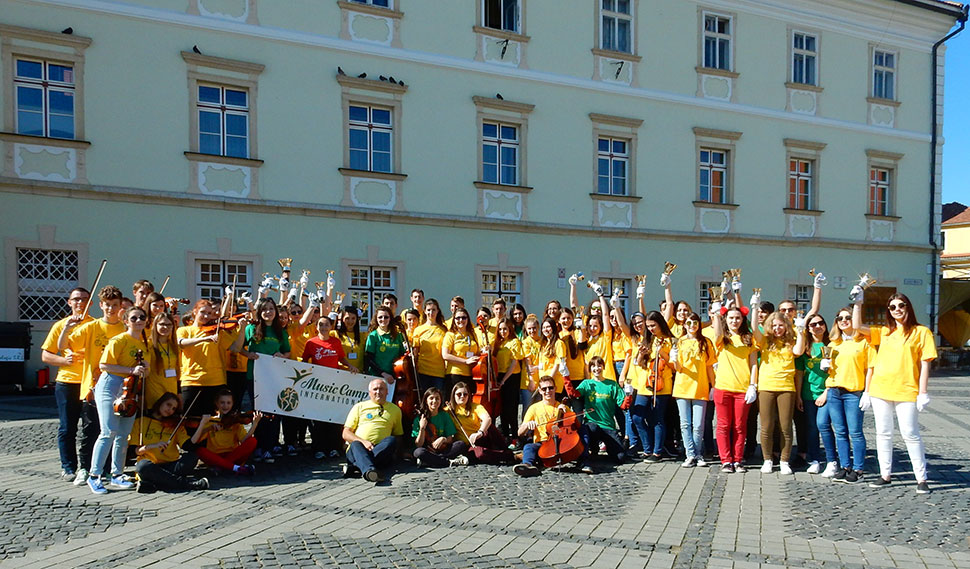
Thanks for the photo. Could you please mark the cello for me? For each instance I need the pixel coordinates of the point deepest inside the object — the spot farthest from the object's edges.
(563, 444)
(407, 391)
(485, 375)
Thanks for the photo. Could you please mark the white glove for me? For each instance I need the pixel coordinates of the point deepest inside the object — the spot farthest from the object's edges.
(799, 324)
(674, 353)
(314, 300)
(736, 286)
(246, 297)
(825, 364)
(628, 389)
(864, 401)
(716, 306)
(284, 283)
(563, 369)
(578, 323)
(331, 282)
(263, 290)
(228, 291)
(268, 283)
(615, 299)
(573, 279)
(751, 395)
(664, 280)
(922, 400)
(856, 295)
(305, 279)
(820, 280)
(294, 290)
(725, 285)
(597, 289)
(334, 316)
(641, 288)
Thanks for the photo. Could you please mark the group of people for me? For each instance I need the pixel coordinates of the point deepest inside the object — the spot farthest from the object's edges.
(587, 368)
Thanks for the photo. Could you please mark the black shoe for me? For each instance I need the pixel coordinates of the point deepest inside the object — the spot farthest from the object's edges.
(740, 467)
(727, 467)
(586, 469)
(200, 484)
(853, 476)
(880, 482)
(351, 471)
(653, 458)
(372, 476)
(923, 488)
(143, 487)
(841, 474)
(525, 470)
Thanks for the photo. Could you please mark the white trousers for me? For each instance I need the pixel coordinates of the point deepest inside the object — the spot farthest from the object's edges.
(907, 415)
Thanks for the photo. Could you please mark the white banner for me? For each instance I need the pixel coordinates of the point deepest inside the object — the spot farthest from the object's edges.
(297, 389)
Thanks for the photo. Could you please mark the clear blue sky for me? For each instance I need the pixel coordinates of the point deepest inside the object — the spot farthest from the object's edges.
(956, 121)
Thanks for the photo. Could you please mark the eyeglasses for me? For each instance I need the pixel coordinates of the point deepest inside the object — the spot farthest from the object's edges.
(844, 319)
(136, 318)
(461, 318)
(817, 323)
(786, 310)
(691, 323)
(77, 299)
(548, 388)
(897, 306)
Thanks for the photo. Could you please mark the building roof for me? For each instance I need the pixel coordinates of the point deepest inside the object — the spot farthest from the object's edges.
(960, 218)
(948, 7)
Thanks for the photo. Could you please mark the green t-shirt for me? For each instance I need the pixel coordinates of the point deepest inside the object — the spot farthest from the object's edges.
(269, 345)
(813, 380)
(601, 399)
(385, 350)
(442, 423)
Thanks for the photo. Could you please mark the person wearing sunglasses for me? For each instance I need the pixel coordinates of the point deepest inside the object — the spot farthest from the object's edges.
(371, 432)
(459, 349)
(475, 426)
(435, 435)
(118, 361)
(693, 360)
(67, 385)
(814, 374)
(537, 418)
(899, 381)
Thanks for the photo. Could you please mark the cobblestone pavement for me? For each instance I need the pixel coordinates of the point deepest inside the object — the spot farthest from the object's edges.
(301, 512)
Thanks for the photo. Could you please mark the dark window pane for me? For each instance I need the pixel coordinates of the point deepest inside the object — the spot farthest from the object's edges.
(509, 133)
(381, 116)
(60, 73)
(30, 99)
(60, 102)
(358, 139)
(236, 124)
(30, 123)
(236, 98)
(382, 162)
(210, 144)
(62, 126)
(358, 159)
(209, 122)
(30, 69)
(382, 142)
(209, 94)
(358, 113)
(603, 145)
(236, 146)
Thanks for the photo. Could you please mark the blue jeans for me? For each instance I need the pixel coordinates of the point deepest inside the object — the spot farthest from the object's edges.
(631, 431)
(591, 435)
(847, 424)
(68, 400)
(648, 419)
(692, 425)
(366, 460)
(530, 454)
(817, 422)
(114, 429)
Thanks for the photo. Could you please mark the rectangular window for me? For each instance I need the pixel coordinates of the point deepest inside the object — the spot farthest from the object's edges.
(713, 176)
(612, 158)
(500, 153)
(44, 92)
(381, 3)
(501, 14)
(507, 284)
(800, 184)
(212, 278)
(704, 298)
(802, 295)
(804, 59)
(617, 25)
(44, 279)
(880, 183)
(371, 133)
(611, 284)
(717, 42)
(223, 121)
(368, 284)
(883, 74)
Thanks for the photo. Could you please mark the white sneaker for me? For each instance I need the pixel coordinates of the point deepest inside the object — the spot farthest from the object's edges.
(767, 467)
(460, 460)
(785, 468)
(814, 467)
(688, 463)
(419, 462)
(830, 469)
(121, 482)
(701, 462)
(81, 478)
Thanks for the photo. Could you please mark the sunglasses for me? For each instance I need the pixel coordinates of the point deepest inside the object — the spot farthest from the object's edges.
(136, 318)
(461, 318)
(548, 388)
(897, 306)
(461, 394)
(817, 323)
(691, 323)
(844, 319)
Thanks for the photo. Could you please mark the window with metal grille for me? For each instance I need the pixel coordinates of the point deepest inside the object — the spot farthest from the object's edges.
(880, 180)
(802, 295)
(612, 158)
(800, 184)
(368, 284)
(501, 14)
(44, 279)
(704, 298)
(212, 278)
(610, 284)
(617, 23)
(717, 42)
(713, 168)
(44, 92)
(804, 59)
(223, 121)
(883, 74)
(506, 284)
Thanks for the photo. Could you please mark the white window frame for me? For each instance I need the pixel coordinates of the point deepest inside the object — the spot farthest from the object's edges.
(46, 86)
(711, 167)
(718, 37)
(55, 291)
(611, 157)
(798, 177)
(704, 297)
(885, 71)
(224, 110)
(612, 43)
(802, 295)
(512, 295)
(371, 128)
(204, 287)
(876, 184)
(517, 28)
(499, 143)
(805, 54)
(611, 283)
(389, 4)
(367, 291)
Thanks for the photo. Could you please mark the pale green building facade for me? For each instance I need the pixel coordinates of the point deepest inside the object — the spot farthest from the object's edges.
(519, 142)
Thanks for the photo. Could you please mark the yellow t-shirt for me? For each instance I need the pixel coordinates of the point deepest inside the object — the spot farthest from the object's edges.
(895, 376)
(122, 350)
(462, 346)
(428, 339)
(469, 421)
(531, 349)
(550, 365)
(693, 381)
(147, 431)
(510, 350)
(299, 336)
(71, 373)
(202, 365)
(777, 371)
(850, 361)
(374, 422)
(733, 372)
(353, 349)
(543, 414)
(225, 440)
(91, 339)
(676, 329)
(162, 375)
(638, 376)
(602, 346)
(577, 365)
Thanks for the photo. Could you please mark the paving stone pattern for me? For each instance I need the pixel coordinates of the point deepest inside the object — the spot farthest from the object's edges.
(33, 521)
(298, 549)
(37, 437)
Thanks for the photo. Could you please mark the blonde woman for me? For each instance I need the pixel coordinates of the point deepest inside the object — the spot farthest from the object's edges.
(163, 375)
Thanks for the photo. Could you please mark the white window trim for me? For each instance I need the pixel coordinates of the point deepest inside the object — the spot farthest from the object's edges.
(503, 267)
(887, 161)
(252, 286)
(722, 140)
(812, 152)
(791, 55)
(732, 18)
(873, 48)
(520, 19)
(511, 113)
(373, 93)
(222, 252)
(632, 17)
(610, 126)
(521, 293)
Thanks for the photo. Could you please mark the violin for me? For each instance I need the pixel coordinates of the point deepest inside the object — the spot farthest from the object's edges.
(126, 405)
(234, 418)
(563, 444)
(223, 324)
(485, 375)
(655, 379)
(176, 421)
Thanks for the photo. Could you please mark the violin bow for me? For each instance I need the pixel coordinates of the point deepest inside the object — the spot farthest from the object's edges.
(454, 417)
(94, 288)
(141, 435)
(164, 284)
(185, 415)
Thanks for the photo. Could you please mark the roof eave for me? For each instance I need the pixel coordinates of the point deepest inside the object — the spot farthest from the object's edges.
(954, 10)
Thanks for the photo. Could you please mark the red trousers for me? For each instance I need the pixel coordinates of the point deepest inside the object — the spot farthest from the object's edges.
(732, 421)
(227, 460)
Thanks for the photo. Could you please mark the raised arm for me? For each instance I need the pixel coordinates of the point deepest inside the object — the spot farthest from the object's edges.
(605, 311)
(857, 324)
(668, 310)
(573, 296)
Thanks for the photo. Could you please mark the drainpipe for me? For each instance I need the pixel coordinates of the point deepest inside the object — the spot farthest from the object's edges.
(934, 137)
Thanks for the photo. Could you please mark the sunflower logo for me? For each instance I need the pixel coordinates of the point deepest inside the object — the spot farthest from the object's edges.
(288, 399)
